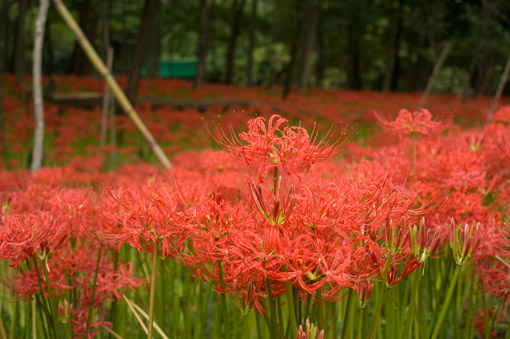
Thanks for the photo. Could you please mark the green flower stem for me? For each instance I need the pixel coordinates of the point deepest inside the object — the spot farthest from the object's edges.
(274, 325)
(307, 309)
(91, 303)
(493, 320)
(198, 319)
(360, 322)
(320, 317)
(507, 334)
(223, 300)
(44, 301)
(14, 321)
(346, 314)
(150, 325)
(333, 320)
(34, 325)
(412, 304)
(257, 321)
(380, 302)
(446, 303)
(292, 309)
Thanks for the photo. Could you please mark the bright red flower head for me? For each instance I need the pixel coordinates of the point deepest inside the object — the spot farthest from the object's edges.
(407, 123)
(276, 145)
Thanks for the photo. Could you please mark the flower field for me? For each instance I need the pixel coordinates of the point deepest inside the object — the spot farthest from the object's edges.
(337, 214)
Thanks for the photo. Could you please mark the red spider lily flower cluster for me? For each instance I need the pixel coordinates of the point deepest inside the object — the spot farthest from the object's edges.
(278, 146)
(411, 122)
(341, 225)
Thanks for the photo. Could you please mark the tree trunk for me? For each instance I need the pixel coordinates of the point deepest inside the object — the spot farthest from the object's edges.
(251, 44)
(37, 153)
(235, 28)
(392, 58)
(211, 48)
(2, 119)
(105, 36)
(320, 68)
(88, 22)
(294, 51)
(435, 73)
(19, 48)
(106, 101)
(5, 36)
(149, 10)
(353, 47)
(155, 48)
(499, 91)
(308, 44)
(49, 48)
(202, 46)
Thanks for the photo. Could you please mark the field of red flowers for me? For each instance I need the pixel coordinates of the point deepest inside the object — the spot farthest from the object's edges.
(379, 221)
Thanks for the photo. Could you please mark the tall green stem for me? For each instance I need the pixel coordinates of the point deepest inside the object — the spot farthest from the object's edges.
(360, 322)
(380, 302)
(446, 303)
(346, 315)
(274, 324)
(153, 288)
(91, 303)
(223, 300)
(292, 310)
(44, 301)
(416, 282)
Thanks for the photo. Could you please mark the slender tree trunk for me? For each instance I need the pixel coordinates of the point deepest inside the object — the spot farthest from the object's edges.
(155, 48)
(37, 153)
(499, 91)
(211, 48)
(465, 89)
(19, 49)
(353, 47)
(392, 57)
(235, 29)
(251, 44)
(2, 119)
(435, 72)
(202, 46)
(294, 51)
(88, 21)
(320, 68)
(5, 36)
(149, 10)
(485, 80)
(308, 44)
(105, 36)
(106, 101)
(49, 48)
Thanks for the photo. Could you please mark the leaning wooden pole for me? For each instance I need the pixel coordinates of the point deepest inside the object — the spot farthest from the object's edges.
(40, 22)
(112, 83)
(435, 72)
(499, 91)
(106, 100)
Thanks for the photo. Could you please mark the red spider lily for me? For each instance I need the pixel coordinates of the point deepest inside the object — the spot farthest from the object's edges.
(282, 207)
(28, 236)
(278, 146)
(463, 240)
(424, 241)
(391, 274)
(310, 332)
(364, 289)
(406, 123)
(502, 115)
